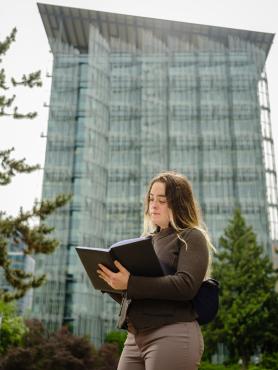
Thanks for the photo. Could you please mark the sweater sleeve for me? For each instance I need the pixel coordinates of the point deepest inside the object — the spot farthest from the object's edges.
(184, 284)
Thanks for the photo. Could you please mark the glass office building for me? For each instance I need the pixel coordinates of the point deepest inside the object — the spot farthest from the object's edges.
(130, 97)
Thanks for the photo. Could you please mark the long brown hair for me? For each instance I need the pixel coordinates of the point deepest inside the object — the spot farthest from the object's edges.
(184, 209)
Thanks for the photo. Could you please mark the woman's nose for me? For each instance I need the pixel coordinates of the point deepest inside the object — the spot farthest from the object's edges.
(155, 203)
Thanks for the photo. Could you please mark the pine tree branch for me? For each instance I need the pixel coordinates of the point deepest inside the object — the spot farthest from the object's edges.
(22, 281)
(3, 251)
(6, 102)
(46, 207)
(3, 79)
(21, 290)
(17, 115)
(29, 115)
(33, 79)
(9, 167)
(35, 239)
(5, 45)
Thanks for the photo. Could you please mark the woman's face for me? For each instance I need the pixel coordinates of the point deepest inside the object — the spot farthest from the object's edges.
(158, 207)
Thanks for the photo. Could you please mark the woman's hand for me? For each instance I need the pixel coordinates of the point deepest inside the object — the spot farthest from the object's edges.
(117, 280)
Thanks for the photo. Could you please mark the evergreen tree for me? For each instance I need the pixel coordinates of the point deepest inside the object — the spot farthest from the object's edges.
(247, 283)
(18, 229)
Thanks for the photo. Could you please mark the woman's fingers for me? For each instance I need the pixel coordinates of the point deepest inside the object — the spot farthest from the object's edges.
(119, 266)
(117, 280)
(105, 269)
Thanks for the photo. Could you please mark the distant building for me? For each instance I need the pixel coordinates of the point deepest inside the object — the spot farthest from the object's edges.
(132, 96)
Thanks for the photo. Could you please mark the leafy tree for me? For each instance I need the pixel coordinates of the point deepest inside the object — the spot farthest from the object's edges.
(12, 327)
(247, 288)
(35, 239)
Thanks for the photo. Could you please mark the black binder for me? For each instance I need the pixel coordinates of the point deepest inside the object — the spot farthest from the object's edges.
(136, 255)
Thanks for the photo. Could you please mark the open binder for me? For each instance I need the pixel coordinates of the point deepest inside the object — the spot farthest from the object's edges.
(136, 255)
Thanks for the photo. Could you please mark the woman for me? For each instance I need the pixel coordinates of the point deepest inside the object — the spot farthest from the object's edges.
(163, 333)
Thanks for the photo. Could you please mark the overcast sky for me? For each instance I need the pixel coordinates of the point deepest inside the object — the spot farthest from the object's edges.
(31, 52)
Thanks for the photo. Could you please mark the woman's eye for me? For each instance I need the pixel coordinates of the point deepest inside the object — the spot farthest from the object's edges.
(161, 201)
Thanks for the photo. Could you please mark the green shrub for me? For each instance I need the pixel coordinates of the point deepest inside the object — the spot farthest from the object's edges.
(117, 337)
(12, 327)
(209, 366)
(269, 361)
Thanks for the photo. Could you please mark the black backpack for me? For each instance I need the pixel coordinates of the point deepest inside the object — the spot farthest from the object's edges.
(206, 301)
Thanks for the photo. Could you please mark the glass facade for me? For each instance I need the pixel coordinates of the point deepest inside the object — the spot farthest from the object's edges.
(124, 108)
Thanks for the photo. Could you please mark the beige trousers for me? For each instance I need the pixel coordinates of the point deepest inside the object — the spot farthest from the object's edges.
(176, 346)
